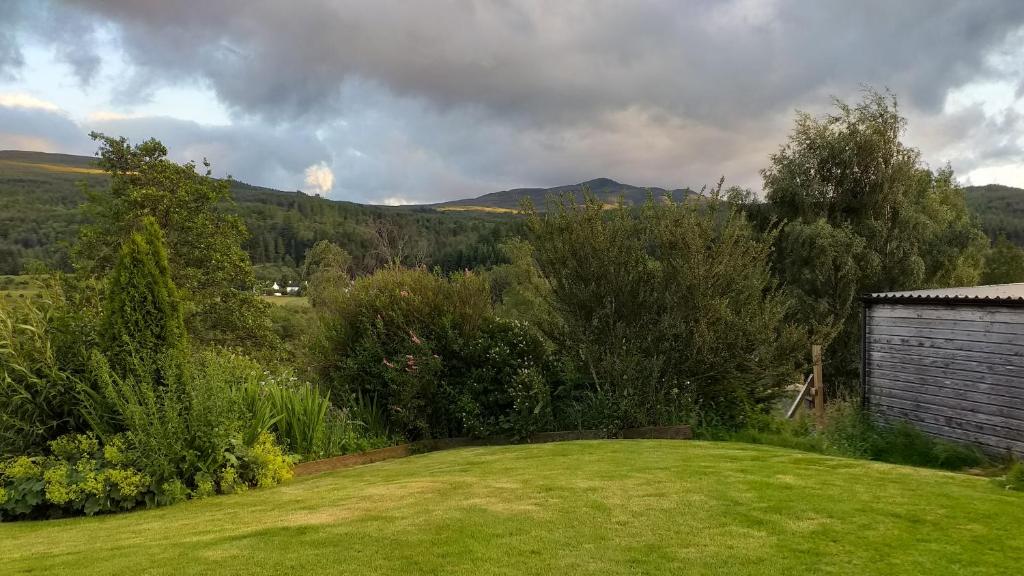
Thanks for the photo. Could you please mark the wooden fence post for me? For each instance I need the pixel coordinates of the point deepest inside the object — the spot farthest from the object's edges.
(819, 386)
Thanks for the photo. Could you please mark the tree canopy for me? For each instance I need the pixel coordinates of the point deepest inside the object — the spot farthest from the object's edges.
(863, 213)
(204, 241)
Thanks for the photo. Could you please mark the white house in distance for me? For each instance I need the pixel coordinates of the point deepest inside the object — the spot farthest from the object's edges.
(275, 289)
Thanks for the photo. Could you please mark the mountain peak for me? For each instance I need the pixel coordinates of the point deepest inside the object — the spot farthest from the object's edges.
(600, 182)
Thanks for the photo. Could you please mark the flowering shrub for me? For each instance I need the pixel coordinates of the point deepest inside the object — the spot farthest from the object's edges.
(264, 464)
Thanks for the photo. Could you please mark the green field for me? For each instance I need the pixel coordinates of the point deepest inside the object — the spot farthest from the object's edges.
(602, 507)
(298, 301)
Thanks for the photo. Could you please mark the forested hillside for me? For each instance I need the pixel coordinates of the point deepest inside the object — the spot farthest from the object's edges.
(40, 194)
(1001, 210)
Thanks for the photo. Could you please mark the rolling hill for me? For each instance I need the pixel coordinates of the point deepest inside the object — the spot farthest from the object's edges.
(1000, 209)
(39, 219)
(40, 194)
(605, 189)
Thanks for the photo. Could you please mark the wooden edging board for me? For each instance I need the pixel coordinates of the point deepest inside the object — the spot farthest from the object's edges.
(403, 450)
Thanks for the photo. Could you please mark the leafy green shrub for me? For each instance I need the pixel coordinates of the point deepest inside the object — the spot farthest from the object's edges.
(188, 430)
(506, 390)
(80, 477)
(663, 310)
(423, 355)
(1014, 478)
(264, 464)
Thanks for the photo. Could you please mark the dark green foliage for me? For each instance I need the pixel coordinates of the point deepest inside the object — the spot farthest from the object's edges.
(663, 311)
(44, 351)
(1014, 478)
(1004, 263)
(143, 320)
(823, 266)
(849, 431)
(204, 241)
(1000, 209)
(325, 268)
(863, 213)
(41, 219)
(507, 373)
(428, 349)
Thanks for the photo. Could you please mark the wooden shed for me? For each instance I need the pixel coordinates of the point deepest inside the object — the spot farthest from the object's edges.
(949, 361)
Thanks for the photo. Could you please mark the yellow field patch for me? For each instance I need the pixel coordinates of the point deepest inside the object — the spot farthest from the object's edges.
(492, 209)
(53, 167)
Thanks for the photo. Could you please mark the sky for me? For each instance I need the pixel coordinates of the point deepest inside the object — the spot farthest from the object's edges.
(398, 102)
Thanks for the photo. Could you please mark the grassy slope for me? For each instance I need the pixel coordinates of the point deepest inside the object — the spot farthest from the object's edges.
(607, 507)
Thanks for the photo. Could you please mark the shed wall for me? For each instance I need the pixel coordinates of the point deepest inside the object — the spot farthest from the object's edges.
(954, 371)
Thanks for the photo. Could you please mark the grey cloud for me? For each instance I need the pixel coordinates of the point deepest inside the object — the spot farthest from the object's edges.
(39, 129)
(11, 58)
(562, 61)
(258, 154)
(424, 101)
(969, 138)
(254, 153)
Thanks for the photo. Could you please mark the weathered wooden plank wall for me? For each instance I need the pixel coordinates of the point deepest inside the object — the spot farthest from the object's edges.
(955, 371)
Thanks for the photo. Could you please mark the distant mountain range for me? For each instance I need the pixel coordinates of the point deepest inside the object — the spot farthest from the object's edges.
(605, 189)
(39, 197)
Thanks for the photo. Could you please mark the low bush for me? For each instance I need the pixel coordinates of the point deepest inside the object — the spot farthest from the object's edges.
(849, 432)
(428, 350)
(81, 476)
(902, 443)
(506, 388)
(304, 420)
(193, 426)
(1014, 477)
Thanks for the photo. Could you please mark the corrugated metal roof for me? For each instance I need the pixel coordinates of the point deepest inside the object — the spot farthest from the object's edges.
(999, 294)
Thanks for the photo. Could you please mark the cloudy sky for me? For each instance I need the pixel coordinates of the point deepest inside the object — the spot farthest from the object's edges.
(407, 101)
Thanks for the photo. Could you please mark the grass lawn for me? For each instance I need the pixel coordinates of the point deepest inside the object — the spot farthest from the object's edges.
(601, 507)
